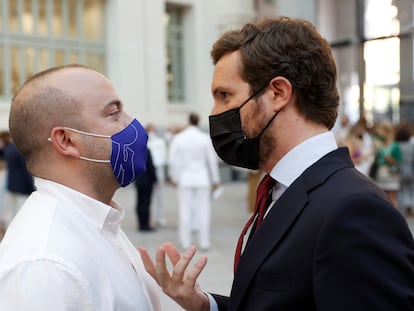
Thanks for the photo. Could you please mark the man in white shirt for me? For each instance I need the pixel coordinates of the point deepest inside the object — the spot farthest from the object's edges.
(158, 147)
(193, 168)
(330, 238)
(65, 249)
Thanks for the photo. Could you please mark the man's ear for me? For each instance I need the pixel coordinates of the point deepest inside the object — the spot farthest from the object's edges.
(282, 92)
(63, 141)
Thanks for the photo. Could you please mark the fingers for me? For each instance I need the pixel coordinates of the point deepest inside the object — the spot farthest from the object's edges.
(148, 264)
(182, 281)
(188, 276)
(161, 268)
(172, 252)
(194, 272)
(182, 264)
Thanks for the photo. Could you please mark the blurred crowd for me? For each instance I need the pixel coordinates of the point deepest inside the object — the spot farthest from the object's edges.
(385, 152)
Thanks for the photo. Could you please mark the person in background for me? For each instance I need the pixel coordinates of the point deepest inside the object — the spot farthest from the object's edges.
(193, 168)
(406, 168)
(65, 249)
(323, 236)
(342, 132)
(353, 141)
(144, 185)
(367, 147)
(19, 182)
(158, 147)
(388, 157)
(3, 176)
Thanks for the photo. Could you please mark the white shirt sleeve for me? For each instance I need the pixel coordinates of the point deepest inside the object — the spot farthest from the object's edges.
(213, 303)
(43, 285)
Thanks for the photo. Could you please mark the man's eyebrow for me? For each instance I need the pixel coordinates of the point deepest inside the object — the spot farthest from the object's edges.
(115, 102)
(219, 89)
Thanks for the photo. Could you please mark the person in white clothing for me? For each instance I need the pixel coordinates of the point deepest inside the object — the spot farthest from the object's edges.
(193, 167)
(65, 249)
(158, 147)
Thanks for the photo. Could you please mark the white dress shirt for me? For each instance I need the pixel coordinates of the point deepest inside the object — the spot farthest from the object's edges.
(66, 251)
(297, 160)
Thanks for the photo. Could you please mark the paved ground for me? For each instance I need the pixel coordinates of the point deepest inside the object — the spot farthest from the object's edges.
(229, 213)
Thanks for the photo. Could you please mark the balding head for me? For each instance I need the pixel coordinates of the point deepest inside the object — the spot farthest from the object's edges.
(40, 104)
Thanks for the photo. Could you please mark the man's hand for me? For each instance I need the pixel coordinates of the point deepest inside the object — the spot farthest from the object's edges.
(181, 285)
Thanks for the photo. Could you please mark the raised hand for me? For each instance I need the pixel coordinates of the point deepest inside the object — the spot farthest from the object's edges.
(181, 285)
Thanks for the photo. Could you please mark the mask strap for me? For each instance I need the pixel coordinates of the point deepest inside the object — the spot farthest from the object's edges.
(86, 133)
(94, 135)
(254, 95)
(94, 160)
(268, 123)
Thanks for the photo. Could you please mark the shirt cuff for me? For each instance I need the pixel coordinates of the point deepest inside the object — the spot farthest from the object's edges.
(213, 303)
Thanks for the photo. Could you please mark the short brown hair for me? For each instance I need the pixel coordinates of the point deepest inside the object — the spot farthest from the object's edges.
(291, 48)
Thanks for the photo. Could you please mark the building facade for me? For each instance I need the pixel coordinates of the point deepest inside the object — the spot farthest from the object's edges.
(156, 52)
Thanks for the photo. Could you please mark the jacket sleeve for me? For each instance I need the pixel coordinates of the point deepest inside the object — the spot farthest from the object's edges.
(221, 301)
(151, 168)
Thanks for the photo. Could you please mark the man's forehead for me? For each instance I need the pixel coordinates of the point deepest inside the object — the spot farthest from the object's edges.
(227, 72)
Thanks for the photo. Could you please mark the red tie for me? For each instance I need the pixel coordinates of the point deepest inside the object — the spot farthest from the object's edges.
(266, 184)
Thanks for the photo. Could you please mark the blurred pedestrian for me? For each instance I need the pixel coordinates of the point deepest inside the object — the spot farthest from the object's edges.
(353, 141)
(367, 147)
(158, 147)
(145, 185)
(342, 132)
(406, 168)
(19, 181)
(193, 168)
(388, 158)
(3, 177)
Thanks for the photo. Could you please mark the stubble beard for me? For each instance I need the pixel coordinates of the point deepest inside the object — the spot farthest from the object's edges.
(266, 147)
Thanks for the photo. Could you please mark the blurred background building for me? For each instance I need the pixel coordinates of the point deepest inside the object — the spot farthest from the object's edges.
(156, 52)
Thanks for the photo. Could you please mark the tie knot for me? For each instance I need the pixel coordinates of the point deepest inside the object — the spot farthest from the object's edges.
(266, 184)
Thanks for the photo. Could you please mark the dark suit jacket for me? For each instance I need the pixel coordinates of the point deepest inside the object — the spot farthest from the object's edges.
(332, 242)
(147, 179)
(19, 180)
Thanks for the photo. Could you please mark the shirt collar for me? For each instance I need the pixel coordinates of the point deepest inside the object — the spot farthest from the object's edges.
(297, 160)
(106, 217)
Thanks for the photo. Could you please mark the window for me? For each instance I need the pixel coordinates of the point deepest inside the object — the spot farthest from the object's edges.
(38, 34)
(382, 78)
(175, 53)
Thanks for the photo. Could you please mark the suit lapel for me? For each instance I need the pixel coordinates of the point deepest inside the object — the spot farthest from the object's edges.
(274, 226)
(280, 218)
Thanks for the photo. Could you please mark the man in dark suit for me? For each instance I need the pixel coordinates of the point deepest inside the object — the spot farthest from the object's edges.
(329, 239)
(145, 184)
(19, 181)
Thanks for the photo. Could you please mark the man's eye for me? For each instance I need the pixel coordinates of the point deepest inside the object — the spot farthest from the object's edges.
(224, 95)
(115, 113)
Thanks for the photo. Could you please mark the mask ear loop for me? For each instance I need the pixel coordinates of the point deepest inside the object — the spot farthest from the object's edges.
(87, 134)
(254, 95)
(94, 160)
(267, 124)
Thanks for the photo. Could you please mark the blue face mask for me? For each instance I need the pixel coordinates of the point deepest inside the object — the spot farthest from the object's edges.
(129, 152)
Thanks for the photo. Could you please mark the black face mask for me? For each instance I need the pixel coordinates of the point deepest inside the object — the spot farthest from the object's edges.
(230, 141)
